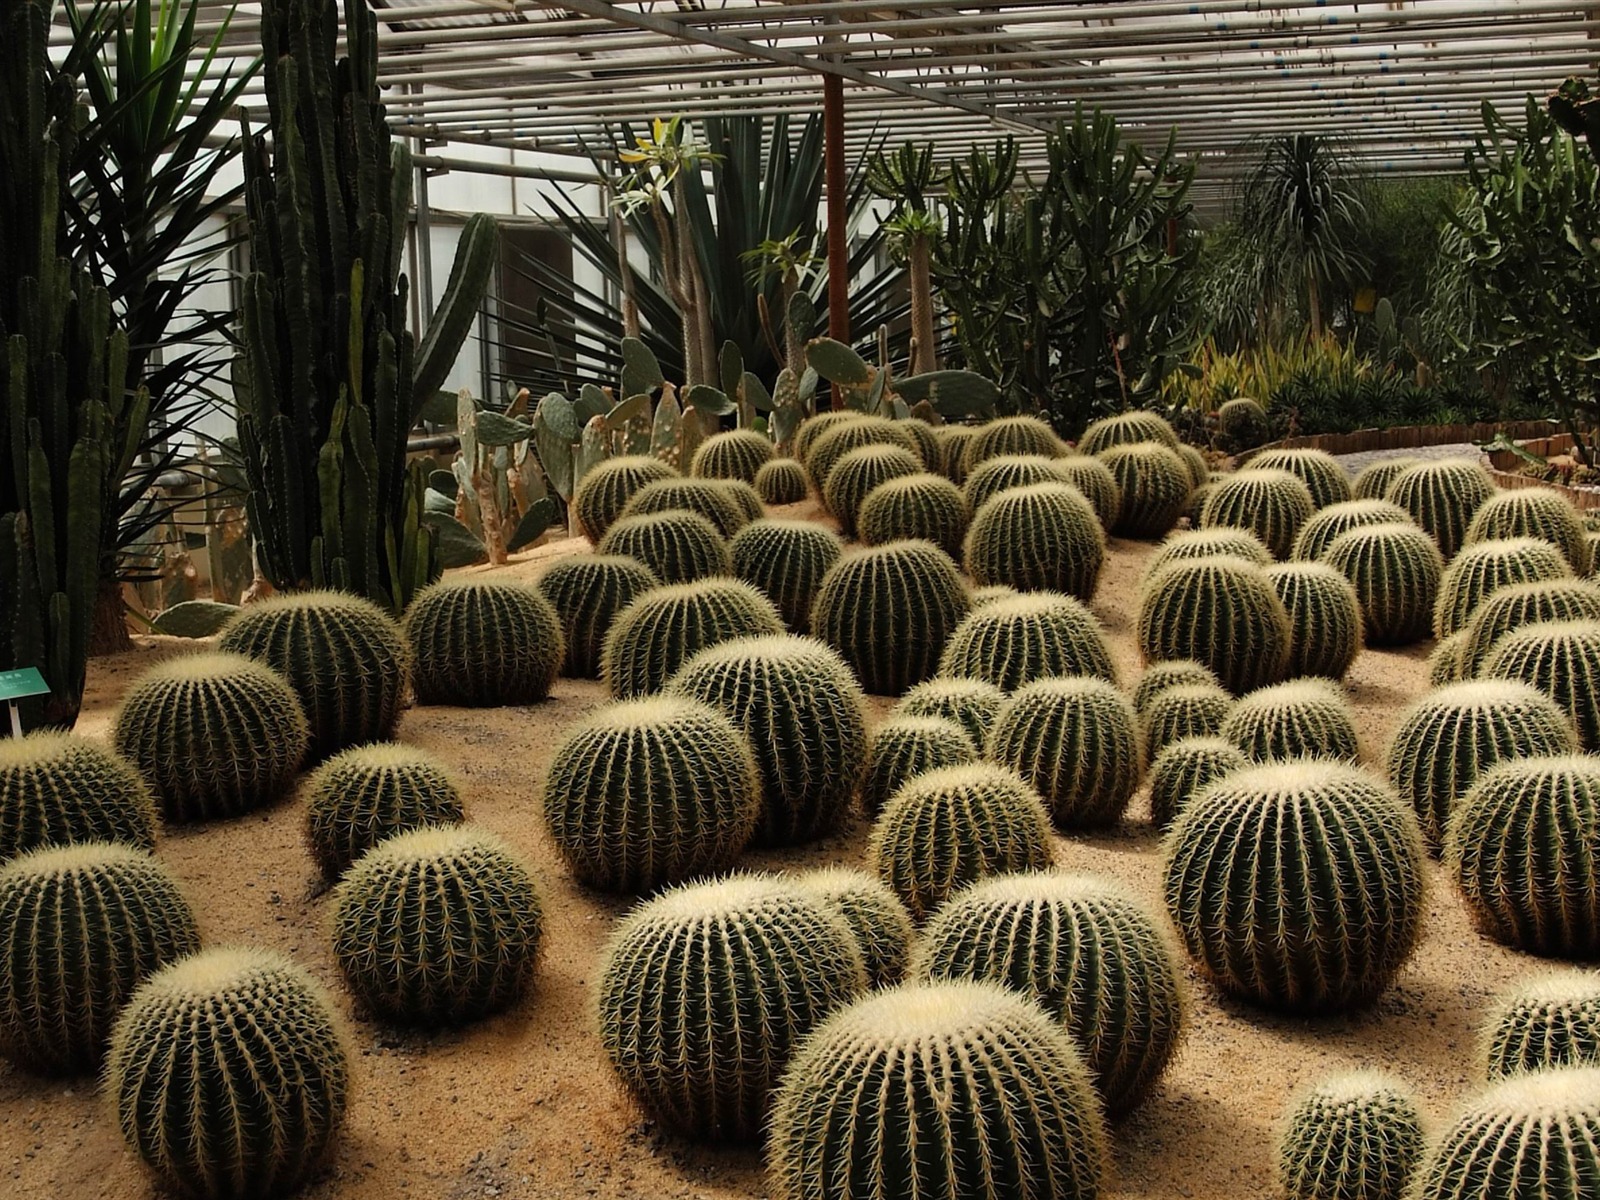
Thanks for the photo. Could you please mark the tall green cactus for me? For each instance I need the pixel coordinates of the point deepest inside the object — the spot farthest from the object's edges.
(331, 380)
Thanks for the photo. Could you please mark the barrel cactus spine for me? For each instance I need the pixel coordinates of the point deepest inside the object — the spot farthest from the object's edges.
(366, 794)
(905, 747)
(1548, 1019)
(736, 454)
(1129, 428)
(1444, 663)
(607, 487)
(587, 592)
(676, 547)
(1242, 424)
(59, 789)
(1516, 605)
(953, 442)
(833, 444)
(1098, 485)
(1171, 673)
(1035, 635)
(996, 475)
(1221, 612)
(1043, 537)
(1395, 570)
(703, 497)
(1562, 660)
(1273, 505)
(746, 498)
(922, 433)
(1190, 544)
(856, 474)
(815, 426)
(1011, 436)
(481, 643)
(880, 923)
(664, 628)
(1324, 618)
(1326, 524)
(923, 505)
(1372, 481)
(1190, 711)
(1352, 1136)
(1155, 488)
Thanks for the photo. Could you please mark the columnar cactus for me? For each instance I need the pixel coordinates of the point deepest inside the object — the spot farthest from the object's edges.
(1482, 568)
(345, 658)
(1324, 478)
(59, 789)
(1242, 424)
(1534, 513)
(706, 991)
(803, 713)
(1191, 711)
(881, 924)
(483, 643)
(1593, 538)
(676, 547)
(1098, 485)
(782, 481)
(229, 1075)
(787, 560)
(1221, 612)
(1451, 736)
(365, 794)
(1155, 488)
(1190, 544)
(1270, 504)
(1548, 1019)
(607, 487)
(1043, 537)
(1014, 641)
(834, 443)
(1395, 570)
(1325, 632)
(214, 735)
(1012, 436)
(858, 473)
(437, 926)
(1304, 718)
(1355, 1136)
(1325, 525)
(972, 704)
(1077, 741)
(953, 442)
(814, 427)
(1183, 770)
(703, 497)
(666, 627)
(588, 591)
(85, 925)
(745, 496)
(1171, 673)
(1442, 497)
(924, 505)
(1522, 847)
(737, 454)
(1322, 929)
(1087, 952)
(953, 826)
(1444, 664)
(996, 475)
(649, 792)
(1128, 429)
(1372, 481)
(890, 610)
(905, 747)
(1562, 660)
(1519, 604)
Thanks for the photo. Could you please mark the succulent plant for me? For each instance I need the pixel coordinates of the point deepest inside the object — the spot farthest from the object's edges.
(1560, 659)
(1324, 478)
(438, 926)
(782, 481)
(889, 611)
(858, 473)
(1534, 513)
(1442, 496)
(1535, 1135)
(1444, 664)
(1482, 568)
(1008, 436)
(1155, 488)
(1544, 1020)
(881, 924)
(59, 789)
(803, 713)
(1042, 537)
(746, 497)
(928, 448)
(1187, 711)
(1518, 604)
(1076, 740)
(787, 560)
(814, 427)
(484, 642)
(737, 454)
(1593, 538)
(834, 443)
(649, 792)
(1130, 428)
(344, 657)
(704, 497)
(1325, 631)
(1087, 952)
(995, 475)
(1098, 485)
(1325, 525)
(1395, 570)
(1199, 468)
(667, 626)
(905, 747)
(1270, 504)
(85, 925)
(588, 591)
(1304, 718)
(972, 704)
(981, 1081)
(993, 593)
(1189, 544)
(1015, 640)
(1183, 769)
(1221, 612)
(229, 1075)
(1522, 846)
(1242, 424)
(365, 794)
(676, 547)
(706, 991)
(923, 505)
(953, 442)
(1171, 673)
(607, 487)
(1372, 481)
(1352, 1136)
(949, 827)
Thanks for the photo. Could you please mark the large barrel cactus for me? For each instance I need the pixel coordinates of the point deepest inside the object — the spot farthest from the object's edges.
(1326, 525)
(737, 454)
(751, 506)
(366, 794)
(1012, 436)
(1127, 429)
(996, 475)
(834, 443)
(953, 441)
(1077, 741)
(482, 643)
(782, 481)
(1482, 568)
(881, 924)
(814, 427)
(787, 560)
(1014, 641)
(923, 505)
(1155, 488)
(1273, 505)
(1518, 604)
(1184, 769)
(1220, 612)
(1242, 424)
(666, 627)
(1533, 513)
(704, 497)
(1043, 537)
(588, 591)
(971, 703)
(1442, 497)
(1373, 480)
(1354, 1136)
(1395, 570)
(1304, 718)
(1325, 630)
(1544, 1020)
(928, 448)
(677, 546)
(1320, 471)
(607, 487)
(1562, 660)
(905, 747)
(1444, 664)
(1098, 485)
(58, 789)
(856, 474)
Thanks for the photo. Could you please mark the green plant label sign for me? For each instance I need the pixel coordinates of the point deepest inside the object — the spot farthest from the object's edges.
(26, 681)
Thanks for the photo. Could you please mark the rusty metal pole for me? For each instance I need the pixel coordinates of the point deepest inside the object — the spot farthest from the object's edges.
(838, 248)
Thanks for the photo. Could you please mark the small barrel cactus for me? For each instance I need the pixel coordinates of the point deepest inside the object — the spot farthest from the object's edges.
(704, 497)
(1444, 664)
(1010, 436)
(1534, 513)
(1184, 769)
(344, 657)
(1173, 672)
(1128, 429)
(1395, 570)
(737, 454)
(588, 591)
(1304, 718)
(994, 592)
(1324, 618)
(1042, 537)
(1322, 929)
(856, 474)
(980, 1080)
(607, 487)
(59, 789)
(1077, 741)
(814, 427)
(996, 475)
(833, 444)
(972, 704)
(806, 721)
(437, 926)
(1442, 497)
(1087, 952)
(1354, 1136)
(1320, 471)
(1273, 505)
(1562, 660)
(952, 826)
(85, 925)
(365, 794)
(923, 505)
(665, 627)
(1548, 1019)
(953, 442)
(1014, 641)
(927, 440)
(782, 481)
(1098, 485)
(1199, 468)
(787, 560)
(746, 497)
(1242, 424)
(1372, 481)
(649, 792)
(1221, 612)
(676, 547)
(1190, 544)
(1325, 525)
(1520, 604)
(229, 1076)
(483, 643)
(215, 735)
(905, 747)
(1482, 568)
(889, 611)
(1451, 736)
(1522, 845)
(682, 980)
(1155, 488)
(1191, 711)
(1530, 1137)
(881, 924)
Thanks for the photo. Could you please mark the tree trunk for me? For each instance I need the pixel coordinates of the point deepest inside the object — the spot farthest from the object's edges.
(683, 265)
(630, 305)
(108, 624)
(1314, 298)
(923, 354)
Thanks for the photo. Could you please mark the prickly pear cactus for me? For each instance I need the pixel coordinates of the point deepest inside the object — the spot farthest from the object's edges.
(59, 789)
(366, 794)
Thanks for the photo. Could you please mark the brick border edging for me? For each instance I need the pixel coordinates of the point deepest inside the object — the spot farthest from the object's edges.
(1405, 437)
(1584, 499)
